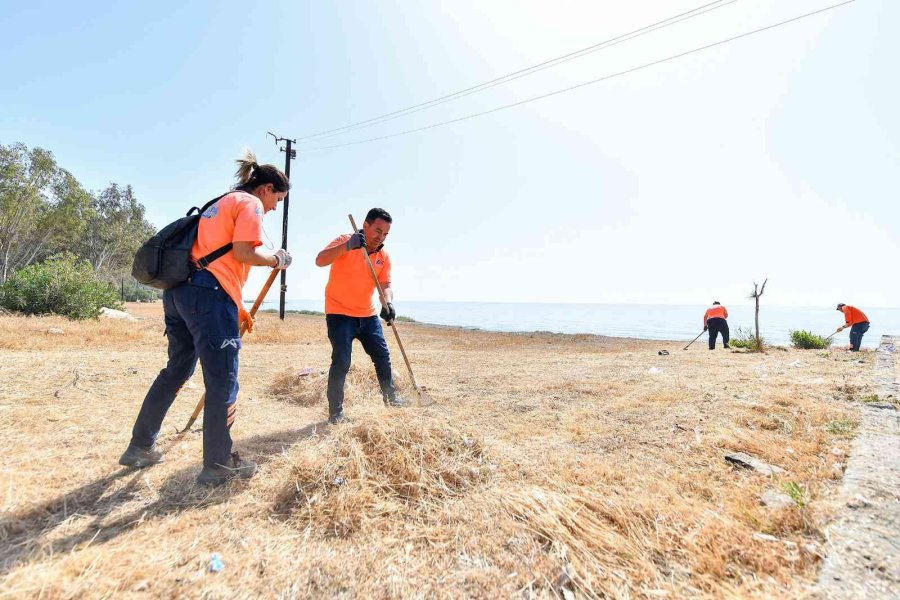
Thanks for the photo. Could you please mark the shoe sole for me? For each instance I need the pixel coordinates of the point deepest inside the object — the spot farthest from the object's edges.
(140, 464)
(217, 481)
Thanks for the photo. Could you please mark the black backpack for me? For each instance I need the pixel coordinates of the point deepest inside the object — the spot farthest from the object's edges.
(164, 260)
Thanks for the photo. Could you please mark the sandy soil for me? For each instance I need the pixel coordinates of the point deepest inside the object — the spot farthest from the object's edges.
(550, 465)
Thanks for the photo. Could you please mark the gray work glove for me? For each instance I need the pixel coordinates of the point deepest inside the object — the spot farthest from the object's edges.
(284, 259)
(356, 241)
(388, 313)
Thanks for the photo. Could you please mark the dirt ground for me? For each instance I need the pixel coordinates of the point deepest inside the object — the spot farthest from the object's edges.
(551, 465)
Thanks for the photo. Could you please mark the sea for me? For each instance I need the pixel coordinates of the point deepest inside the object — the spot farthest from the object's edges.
(643, 321)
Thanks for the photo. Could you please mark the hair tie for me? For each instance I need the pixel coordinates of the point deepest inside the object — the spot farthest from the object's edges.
(255, 166)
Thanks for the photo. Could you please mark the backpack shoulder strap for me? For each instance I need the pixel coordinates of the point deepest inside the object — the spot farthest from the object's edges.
(204, 261)
(202, 210)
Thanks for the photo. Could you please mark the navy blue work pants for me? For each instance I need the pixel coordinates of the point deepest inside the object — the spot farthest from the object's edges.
(856, 334)
(201, 322)
(342, 330)
(716, 326)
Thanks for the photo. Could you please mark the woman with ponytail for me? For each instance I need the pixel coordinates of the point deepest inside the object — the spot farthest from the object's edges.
(203, 318)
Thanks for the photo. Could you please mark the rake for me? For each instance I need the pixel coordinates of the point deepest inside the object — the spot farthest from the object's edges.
(424, 399)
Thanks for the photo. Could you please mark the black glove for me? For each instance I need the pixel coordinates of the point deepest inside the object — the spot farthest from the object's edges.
(705, 327)
(356, 241)
(388, 313)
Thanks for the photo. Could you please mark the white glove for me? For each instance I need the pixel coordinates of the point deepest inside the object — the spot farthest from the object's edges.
(283, 259)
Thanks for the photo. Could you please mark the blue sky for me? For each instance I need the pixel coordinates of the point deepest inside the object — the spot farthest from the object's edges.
(776, 155)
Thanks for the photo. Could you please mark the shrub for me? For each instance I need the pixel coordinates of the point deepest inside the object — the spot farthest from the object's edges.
(61, 285)
(744, 338)
(808, 341)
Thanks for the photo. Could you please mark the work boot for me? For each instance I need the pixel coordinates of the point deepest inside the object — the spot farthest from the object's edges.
(726, 346)
(338, 419)
(395, 402)
(136, 456)
(236, 469)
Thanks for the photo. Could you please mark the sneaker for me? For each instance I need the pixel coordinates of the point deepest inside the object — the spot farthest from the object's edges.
(338, 419)
(395, 402)
(236, 469)
(136, 456)
(726, 346)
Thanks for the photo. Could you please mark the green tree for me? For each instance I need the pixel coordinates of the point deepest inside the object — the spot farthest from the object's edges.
(42, 207)
(114, 229)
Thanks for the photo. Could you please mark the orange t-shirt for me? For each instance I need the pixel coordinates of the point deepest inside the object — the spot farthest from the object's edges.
(853, 315)
(235, 218)
(716, 312)
(350, 286)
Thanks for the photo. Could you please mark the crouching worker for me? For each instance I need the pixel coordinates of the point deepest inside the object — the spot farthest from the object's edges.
(714, 320)
(858, 323)
(203, 317)
(350, 311)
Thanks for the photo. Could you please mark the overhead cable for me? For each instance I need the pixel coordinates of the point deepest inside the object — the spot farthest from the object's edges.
(586, 83)
(695, 12)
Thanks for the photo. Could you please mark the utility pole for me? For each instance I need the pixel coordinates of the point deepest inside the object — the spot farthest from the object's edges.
(289, 155)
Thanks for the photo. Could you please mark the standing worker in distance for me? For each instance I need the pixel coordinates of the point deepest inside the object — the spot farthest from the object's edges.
(350, 312)
(858, 323)
(714, 321)
(203, 317)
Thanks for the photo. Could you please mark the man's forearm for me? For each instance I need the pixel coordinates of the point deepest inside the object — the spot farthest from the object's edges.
(329, 255)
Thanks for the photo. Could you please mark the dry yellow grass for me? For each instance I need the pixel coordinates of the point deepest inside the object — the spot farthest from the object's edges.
(550, 463)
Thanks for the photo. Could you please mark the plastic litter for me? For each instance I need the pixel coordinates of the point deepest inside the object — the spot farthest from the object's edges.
(654, 371)
(215, 563)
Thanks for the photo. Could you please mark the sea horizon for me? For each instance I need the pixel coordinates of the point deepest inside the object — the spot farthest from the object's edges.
(672, 322)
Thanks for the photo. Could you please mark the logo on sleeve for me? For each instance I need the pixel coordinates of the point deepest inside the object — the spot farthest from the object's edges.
(211, 212)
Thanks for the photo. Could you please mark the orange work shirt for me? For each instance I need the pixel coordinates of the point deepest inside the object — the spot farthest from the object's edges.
(350, 287)
(715, 312)
(853, 315)
(235, 218)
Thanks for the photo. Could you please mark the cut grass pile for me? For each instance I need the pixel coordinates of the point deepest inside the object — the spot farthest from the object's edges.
(378, 469)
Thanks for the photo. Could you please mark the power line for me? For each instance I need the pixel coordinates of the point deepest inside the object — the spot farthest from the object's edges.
(695, 12)
(586, 83)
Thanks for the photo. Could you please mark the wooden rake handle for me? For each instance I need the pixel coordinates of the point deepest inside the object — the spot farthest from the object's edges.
(243, 330)
(381, 295)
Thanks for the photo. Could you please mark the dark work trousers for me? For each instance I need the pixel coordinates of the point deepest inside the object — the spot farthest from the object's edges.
(201, 322)
(856, 334)
(342, 330)
(717, 325)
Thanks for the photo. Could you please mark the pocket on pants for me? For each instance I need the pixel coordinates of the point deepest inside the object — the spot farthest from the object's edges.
(221, 364)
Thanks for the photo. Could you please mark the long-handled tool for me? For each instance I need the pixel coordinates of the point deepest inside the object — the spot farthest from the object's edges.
(424, 399)
(694, 340)
(839, 329)
(243, 330)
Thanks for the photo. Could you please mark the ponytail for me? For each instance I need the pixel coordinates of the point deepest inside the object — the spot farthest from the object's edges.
(250, 174)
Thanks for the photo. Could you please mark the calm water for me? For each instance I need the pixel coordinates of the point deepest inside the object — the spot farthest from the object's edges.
(651, 321)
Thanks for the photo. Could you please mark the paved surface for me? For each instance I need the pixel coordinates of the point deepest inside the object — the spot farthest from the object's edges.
(863, 548)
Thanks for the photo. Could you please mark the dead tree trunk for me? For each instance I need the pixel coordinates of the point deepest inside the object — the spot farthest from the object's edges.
(757, 292)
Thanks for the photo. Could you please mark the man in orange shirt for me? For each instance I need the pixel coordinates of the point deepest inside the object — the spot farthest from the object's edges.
(714, 321)
(350, 312)
(858, 323)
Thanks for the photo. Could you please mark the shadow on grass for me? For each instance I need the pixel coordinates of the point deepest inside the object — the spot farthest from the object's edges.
(24, 533)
